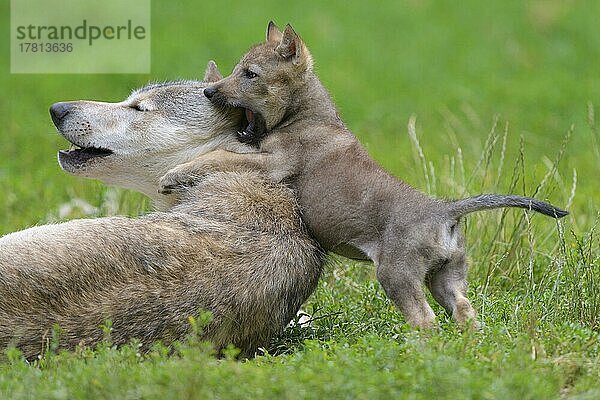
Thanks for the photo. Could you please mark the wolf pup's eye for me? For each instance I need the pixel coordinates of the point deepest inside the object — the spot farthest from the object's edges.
(250, 75)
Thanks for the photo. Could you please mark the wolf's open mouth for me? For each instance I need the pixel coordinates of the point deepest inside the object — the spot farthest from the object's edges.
(78, 156)
(252, 127)
(246, 133)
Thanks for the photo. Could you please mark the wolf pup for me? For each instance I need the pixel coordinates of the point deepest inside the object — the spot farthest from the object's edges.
(234, 245)
(350, 204)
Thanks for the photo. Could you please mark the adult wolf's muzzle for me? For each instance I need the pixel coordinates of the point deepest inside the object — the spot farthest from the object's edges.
(58, 112)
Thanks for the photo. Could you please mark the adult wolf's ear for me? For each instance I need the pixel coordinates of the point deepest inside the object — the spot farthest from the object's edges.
(212, 73)
(273, 33)
(293, 48)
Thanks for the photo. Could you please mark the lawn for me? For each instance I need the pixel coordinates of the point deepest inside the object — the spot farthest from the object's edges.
(505, 97)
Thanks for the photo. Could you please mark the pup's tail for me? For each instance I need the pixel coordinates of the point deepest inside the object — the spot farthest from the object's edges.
(458, 208)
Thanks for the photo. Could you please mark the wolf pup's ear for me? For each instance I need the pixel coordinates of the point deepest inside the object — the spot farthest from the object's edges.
(292, 47)
(212, 73)
(273, 33)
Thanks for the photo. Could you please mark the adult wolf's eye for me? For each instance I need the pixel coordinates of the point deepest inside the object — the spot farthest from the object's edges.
(138, 107)
(250, 75)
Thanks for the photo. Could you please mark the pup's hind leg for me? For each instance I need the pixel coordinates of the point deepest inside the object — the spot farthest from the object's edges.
(402, 279)
(448, 285)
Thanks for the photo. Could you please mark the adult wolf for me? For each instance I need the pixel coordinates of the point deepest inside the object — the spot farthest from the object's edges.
(234, 246)
(350, 204)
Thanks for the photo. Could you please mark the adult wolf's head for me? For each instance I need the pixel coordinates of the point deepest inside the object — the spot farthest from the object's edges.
(266, 80)
(134, 142)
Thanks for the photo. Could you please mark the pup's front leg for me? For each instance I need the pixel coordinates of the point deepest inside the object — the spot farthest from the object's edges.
(190, 173)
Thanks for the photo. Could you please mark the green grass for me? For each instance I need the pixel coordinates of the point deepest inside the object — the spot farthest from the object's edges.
(506, 98)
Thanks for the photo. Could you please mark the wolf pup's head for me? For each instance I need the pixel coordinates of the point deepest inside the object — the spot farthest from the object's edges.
(265, 81)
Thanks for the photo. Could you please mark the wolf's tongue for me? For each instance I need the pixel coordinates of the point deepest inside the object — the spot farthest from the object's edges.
(249, 116)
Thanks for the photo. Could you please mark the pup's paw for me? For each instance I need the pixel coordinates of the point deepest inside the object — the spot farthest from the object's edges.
(189, 174)
(179, 179)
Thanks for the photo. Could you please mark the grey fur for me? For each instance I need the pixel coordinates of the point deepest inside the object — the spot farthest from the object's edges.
(234, 245)
(459, 208)
(349, 203)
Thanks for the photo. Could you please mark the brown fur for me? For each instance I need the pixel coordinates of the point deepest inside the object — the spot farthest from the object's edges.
(350, 204)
